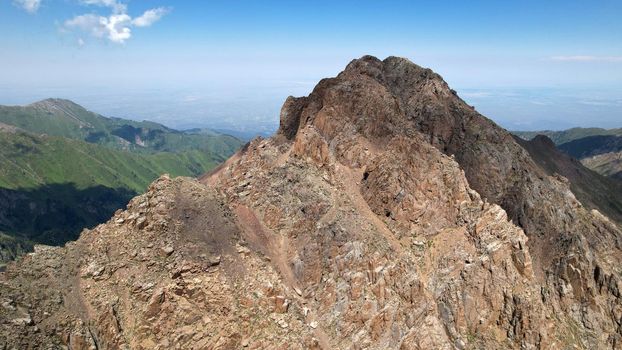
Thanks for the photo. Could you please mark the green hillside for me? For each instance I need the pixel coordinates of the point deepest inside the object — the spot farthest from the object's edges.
(65, 168)
(53, 187)
(31, 160)
(58, 117)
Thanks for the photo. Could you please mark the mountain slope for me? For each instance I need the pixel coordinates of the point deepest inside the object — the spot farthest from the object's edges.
(31, 160)
(591, 188)
(592, 145)
(65, 118)
(602, 153)
(54, 117)
(564, 136)
(597, 149)
(608, 164)
(373, 219)
(53, 187)
(66, 168)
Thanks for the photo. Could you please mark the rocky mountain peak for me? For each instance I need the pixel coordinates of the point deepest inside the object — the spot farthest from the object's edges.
(385, 214)
(544, 141)
(371, 82)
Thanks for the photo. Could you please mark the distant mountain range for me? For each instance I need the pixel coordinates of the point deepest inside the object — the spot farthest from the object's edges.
(65, 168)
(58, 117)
(596, 148)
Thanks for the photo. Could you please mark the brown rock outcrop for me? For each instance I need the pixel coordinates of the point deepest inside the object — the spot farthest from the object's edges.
(385, 213)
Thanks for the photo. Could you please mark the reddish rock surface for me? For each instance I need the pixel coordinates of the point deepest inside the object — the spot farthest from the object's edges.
(385, 214)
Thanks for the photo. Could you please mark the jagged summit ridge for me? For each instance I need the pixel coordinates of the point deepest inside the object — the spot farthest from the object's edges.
(384, 100)
(370, 71)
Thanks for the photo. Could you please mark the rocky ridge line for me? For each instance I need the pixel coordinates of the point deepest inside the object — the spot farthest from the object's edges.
(374, 219)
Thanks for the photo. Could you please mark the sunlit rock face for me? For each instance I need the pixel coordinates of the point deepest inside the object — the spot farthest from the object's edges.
(385, 213)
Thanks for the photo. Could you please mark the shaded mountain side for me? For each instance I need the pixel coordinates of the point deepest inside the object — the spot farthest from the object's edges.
(592, 146)
(56, 213)
(602, 154)
(372, 220)
(53, 187)
(591, 188)
(598, 149)
(64, 118)
(12, 247)
(563, 136)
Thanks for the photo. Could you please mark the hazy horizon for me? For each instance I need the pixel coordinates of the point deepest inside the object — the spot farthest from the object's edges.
(541, 109)
(231, 65)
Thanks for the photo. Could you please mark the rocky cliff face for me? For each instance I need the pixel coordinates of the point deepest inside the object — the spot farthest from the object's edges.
(385, 213)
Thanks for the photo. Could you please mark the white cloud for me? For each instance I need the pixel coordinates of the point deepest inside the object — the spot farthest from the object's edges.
(117, 7)
(587, 58)
(29, 5)
(90, 23)
(118, 26)
(150, 17)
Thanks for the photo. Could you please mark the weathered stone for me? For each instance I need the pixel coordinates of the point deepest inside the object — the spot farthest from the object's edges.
(168, 250)
(364, 215)
(281, 304)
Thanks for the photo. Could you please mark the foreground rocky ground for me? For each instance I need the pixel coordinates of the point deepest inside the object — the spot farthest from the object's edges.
(386, 213)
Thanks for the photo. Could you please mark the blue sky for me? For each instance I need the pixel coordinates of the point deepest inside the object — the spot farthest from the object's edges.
(525, 64)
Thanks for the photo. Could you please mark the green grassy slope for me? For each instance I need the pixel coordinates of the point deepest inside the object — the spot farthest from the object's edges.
(58, 117)
(30, 161)
(53, 117)
(64, 168)
(53, 187)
